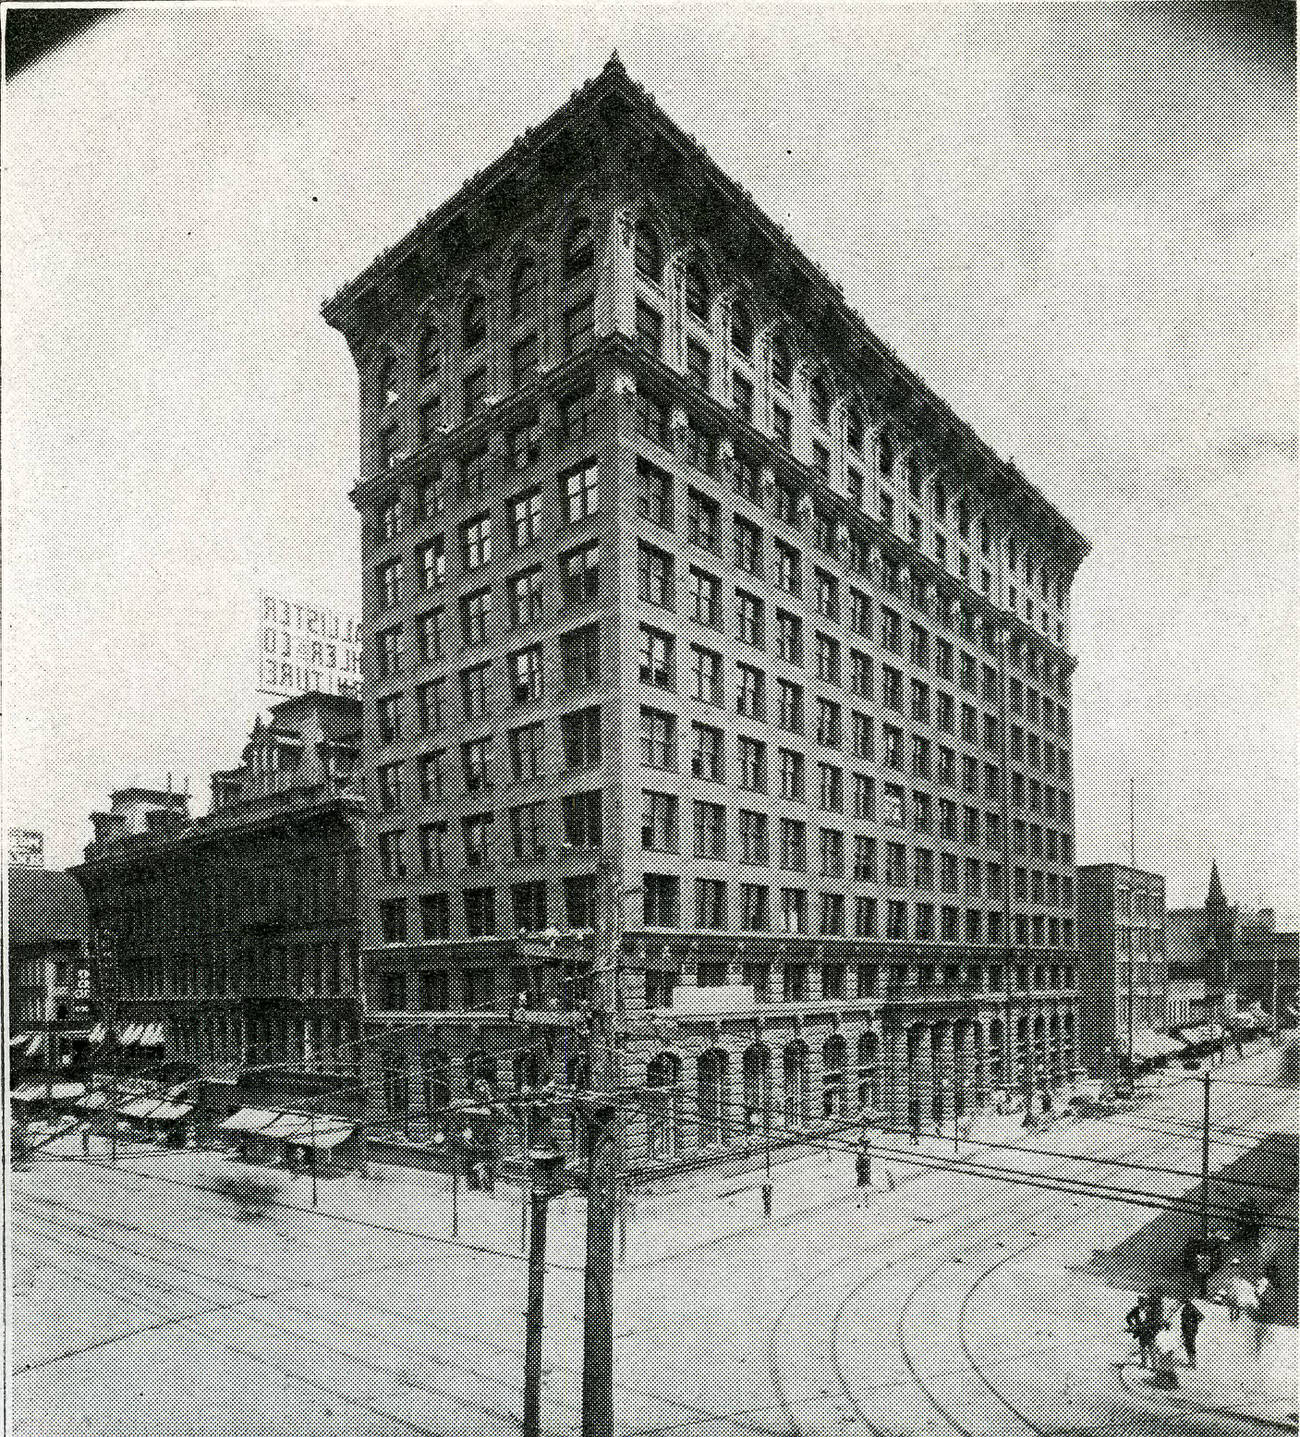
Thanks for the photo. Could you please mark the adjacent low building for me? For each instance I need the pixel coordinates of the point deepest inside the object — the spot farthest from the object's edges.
(229, 941)
(50, 1009)
(1124, 978)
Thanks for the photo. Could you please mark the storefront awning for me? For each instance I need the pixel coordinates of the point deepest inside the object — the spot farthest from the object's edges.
(56, 1092)
(307, 1130)
(93, 1102)
(1147, 1043)
(250, 1120)
(130, 1034)
(151, 1035)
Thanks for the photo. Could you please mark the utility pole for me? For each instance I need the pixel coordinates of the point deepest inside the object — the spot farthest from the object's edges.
(1205, 1165)
(602, 1168)
(543, 1165)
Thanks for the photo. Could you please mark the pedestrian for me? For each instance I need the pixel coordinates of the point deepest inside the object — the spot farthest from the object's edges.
(1139, 1327)
(1189, 1320)
(1164, 1357)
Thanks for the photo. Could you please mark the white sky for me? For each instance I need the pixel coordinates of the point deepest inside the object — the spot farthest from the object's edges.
(1080, 230)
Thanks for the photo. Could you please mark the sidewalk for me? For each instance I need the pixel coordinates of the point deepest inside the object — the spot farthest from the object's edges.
(1244, 1369)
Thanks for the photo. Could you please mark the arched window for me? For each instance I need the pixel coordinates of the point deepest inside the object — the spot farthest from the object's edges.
(386, 383)
(579, 248)
(855, 429)
(869, 1071)
(697, 293)
(794, 1072)
(820, 399)
(428, 354)
(714, 1108)
(781, 366)
(835, 1058)
(742, 329)
(474, 320)
(649, 253)
(756, 1077)
(437, 1080)
(523, 290)
(663, 1076)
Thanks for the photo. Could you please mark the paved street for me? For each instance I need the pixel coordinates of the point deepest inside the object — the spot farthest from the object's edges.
(950, 1304)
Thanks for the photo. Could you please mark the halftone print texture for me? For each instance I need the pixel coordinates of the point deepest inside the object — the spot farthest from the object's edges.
(693, 884)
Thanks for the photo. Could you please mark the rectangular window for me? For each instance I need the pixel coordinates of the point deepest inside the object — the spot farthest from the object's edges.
(428, 637)
(529, 903)
(429, 705)
(697, 364)
(658, 740)
(710, 904)
(579, 492)
(702, 518)
(754, 918)
(749, 547)
(788, 573)
(710, 830)
(388, 650)
(526, 752)
(792, 776)
(474, 611)
(389, 779)
(580, 575)
(577, 413)
(388, 581)
(474, 692)
(830, 723)
(580, 657)
(474, 758)
(525, 669)
(656, 658)
(742, 397)
(706, 676)
(749, 618)
(478, 834)
(474, 388)
(580, 733)
(523, 446)
(864, 859)
(781, 427)
(525, 517)
(649, 329)
(794, 919)
(480, 922)
(654, 493)
(579, 326)
(704, 598)
(432, 560)
(435, 924)
(706, 756)
(864, 796)
(828, 659)
(652, 419)
(523, 360)
(828, 596)
(524, 593)
(751, 759)
(390, 718)
(582, 819)
(830, 787)
(749, 691)
(753, 838)
(662, 900)
(789, 637)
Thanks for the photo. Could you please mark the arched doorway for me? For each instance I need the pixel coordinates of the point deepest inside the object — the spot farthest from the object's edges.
(938, 1094)
(835, 1061)
(997, 1041)
(794, 1075)
(914, 1061)
(663, 1083)
(714, 1105)
(756, 1080)
(869, 1072)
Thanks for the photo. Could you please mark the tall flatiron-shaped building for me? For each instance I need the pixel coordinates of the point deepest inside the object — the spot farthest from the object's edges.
(692, 616)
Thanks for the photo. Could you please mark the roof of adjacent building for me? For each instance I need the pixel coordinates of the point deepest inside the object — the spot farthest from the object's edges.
(614, 86)
(45, 906)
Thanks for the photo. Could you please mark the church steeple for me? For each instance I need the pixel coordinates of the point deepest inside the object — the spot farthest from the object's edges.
(1216, 905)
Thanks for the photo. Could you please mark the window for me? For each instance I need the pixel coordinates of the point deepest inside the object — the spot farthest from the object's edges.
(794, 845)
(581, 816)
(710, 830)
(429, 705)
(658, 740)
(649, 329)
(649, 253)
(652, 418)
(655, 576)
(579, 249)
(751, 758)
(864, 736)
(831, 853)
(474, 611)
(749, 547)
(781, 363)
(386, 385)
(749, 618)
(525, 598)
(792, 776)
(887, 509)
(526, 831)
(788, 572)
(389, 780)
(432, 561)
(706, 755)
(428, 500)
(477, 830)
(390, 518)
(789, 637)
(830, 723)
(702, 515)
(704, 590)
(864, 796)
(525, 746)
(577, 417)
(388, 579)
(753, 838)
(781, 427)
(864, 859)
(742, 397)
(828, 659)
(696, 293)
(710, 908)
(754, 918)
(580, 733)
(749, 691)
(697, 364)
(893, 804)
(787, 503)
(524, 286)
(820, 400)
(474, 387)
(526, 674)
(830, 922)
(742, 329)
(706, 676)
(579, 326)
(828, 596)
(435, 923)
(480, 922)
(895, 919)
(662, 897)
(579, 493)
(794, 919)
(746, 477)
(523, 360)
(429, 418)
(789, 697)
(390, 854)
(529, 902)
(656, 658)
(654, 493)
(580, 575)
(474, 761)
(392, 917)
(428, 636)
(390, 718)
(580, 657)
(860, 613)
(698, 448)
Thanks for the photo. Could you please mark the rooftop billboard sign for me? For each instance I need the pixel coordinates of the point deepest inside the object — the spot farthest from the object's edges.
(304, 648)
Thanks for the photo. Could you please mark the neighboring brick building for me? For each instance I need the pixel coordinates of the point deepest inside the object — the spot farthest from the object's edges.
(1123, 968)
(230, 940)
(680, 585)
(47, 966)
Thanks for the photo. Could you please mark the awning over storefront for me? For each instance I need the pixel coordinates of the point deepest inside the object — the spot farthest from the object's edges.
(250, 1120)
(130, 1035)
(93, 1102)
(98, 1033)
(151, 1036)
(307, 1130)
(156, 1110)
(56, 1092)
(1147, 1043)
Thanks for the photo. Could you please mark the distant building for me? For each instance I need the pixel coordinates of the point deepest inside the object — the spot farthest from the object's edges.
(230, 940)
(27, 847)
(1123, 969)
(48, 971)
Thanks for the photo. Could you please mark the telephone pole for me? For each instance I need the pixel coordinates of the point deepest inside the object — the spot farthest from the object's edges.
(602, 1165)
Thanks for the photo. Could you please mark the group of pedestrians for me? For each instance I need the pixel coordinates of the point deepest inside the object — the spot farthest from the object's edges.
(1153, 1328)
